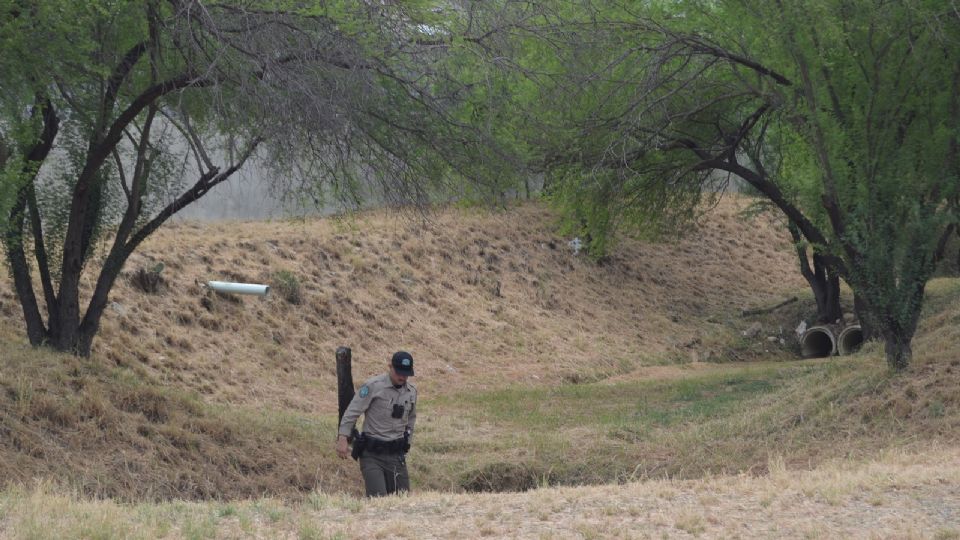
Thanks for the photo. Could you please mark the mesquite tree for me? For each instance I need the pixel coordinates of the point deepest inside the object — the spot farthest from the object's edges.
(116, 115)
(842, 116)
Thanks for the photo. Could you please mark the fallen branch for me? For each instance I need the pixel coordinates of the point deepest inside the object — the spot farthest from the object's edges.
(758, 311)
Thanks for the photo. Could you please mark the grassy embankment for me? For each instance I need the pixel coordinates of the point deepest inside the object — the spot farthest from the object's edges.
(889, 436)
(693, 420)
(193, 395)
(156, 414)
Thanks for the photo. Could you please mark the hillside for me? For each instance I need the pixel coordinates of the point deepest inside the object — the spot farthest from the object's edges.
(479, 297)
(523, 350)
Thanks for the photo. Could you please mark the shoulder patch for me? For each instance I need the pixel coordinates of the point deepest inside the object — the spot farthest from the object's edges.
(364, 391)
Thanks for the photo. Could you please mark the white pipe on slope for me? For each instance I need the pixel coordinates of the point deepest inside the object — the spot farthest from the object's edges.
(239, 288)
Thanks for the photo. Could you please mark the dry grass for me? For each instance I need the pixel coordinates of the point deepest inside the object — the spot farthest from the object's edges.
(114, 432)
(899, 494)
(537, 368)
(479, 297)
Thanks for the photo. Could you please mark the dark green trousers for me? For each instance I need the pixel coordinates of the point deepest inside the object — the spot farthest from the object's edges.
(384, 474)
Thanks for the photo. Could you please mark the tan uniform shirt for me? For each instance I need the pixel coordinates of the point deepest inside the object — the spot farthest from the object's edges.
(375, 400)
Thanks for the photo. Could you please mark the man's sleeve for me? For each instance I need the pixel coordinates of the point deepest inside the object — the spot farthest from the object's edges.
(359, 404)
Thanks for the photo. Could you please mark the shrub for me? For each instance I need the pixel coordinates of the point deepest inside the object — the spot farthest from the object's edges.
(149, 281)
(288, 287)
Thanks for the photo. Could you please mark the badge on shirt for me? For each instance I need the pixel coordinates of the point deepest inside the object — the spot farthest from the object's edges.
(364, 391)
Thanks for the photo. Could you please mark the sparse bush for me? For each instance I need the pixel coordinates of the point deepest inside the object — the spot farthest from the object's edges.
(149, 280)
(288, 287)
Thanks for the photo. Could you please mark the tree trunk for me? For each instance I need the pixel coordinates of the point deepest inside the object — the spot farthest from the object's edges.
(66, 320)
(20, 269)
(878, 322)
(70, 334)
(91, 320)
(823, 281)
(826, 290)
(14, 234)
(898, 331)
(898, 351)
(76, 335)
(867, 326)
(67, 337)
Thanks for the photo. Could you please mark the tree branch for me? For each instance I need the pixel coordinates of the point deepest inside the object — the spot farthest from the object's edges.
(34, 158)
(697, 45)
(773, 193)
(76, 240)
(206, 182)
(199, 155)
(122, 175)
(121, 251)
(120, 73)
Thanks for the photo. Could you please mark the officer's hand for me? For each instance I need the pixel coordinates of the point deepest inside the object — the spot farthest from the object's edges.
(342, 449)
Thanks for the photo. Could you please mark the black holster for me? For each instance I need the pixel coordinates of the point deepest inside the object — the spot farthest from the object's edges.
(359, 445)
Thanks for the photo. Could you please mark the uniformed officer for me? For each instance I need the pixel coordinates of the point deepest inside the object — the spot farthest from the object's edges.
(389, 405)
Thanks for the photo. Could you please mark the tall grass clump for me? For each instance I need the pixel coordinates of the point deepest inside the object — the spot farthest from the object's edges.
(288, 287)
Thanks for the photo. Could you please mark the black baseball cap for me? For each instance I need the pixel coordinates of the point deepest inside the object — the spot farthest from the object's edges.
(402, 363)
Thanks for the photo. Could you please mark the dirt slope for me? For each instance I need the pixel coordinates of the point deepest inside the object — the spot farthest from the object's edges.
(199, 396)
(478, 297)
(194, 395)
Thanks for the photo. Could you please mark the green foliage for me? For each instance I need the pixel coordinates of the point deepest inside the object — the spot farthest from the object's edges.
(116, 114)
(886, 154)
(845, 117)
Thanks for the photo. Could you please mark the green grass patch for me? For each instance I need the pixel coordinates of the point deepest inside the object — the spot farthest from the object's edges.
(720, 421)
(941, 294)
(662, 403)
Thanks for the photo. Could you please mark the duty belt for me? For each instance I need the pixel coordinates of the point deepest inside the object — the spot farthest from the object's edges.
(379, 446)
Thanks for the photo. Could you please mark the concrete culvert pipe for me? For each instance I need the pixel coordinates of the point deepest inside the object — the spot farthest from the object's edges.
(850, 339)
(818, 342)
